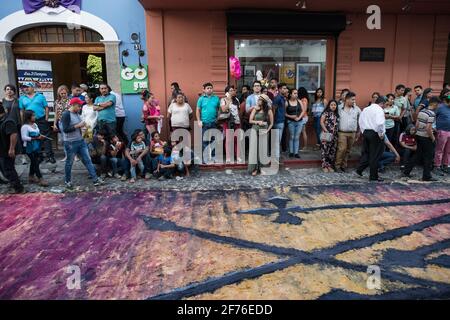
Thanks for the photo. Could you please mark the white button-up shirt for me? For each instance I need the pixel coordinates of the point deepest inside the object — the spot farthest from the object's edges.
(372, 118)
(349, 118)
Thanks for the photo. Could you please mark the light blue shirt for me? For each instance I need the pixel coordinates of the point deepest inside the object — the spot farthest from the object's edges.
(108, 114)
(37, 104)
(252, 101)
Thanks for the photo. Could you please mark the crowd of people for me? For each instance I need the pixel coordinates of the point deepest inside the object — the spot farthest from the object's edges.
(395, 127)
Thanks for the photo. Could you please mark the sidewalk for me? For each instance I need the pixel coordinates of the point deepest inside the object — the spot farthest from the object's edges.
(303, 172)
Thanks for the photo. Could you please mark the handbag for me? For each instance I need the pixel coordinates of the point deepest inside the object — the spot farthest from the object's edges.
(326, 136)
(223, 116)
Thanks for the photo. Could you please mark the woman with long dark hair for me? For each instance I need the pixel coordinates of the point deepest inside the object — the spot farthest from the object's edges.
(261, 118)
(329, 122)
(295, 113)
(151, 112)
(31, 137)
(317, 109)
(303, 96)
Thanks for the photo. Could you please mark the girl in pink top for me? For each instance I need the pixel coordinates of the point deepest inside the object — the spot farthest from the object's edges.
(151, 112)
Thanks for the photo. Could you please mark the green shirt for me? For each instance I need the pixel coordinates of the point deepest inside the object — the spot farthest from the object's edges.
(392, 111)
(108, 114)
(208, 108)
(402, 103)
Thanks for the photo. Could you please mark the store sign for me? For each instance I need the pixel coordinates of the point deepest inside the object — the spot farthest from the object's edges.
(40, 73)
(134, 79)
(372, 54)
(51, 6)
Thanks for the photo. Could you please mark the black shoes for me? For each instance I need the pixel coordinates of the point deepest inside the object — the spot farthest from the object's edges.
(51, 160)
(342, 170)
(377, 180)
(430, 180)
(297, 156)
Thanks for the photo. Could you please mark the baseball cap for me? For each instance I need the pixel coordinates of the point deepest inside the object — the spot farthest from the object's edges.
(76, 101)
(28, 85)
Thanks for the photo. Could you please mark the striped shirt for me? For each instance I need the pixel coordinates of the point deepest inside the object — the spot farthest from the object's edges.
(424, 118)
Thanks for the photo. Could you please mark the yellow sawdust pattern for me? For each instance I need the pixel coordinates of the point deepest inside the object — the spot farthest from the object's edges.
(431, 272)
(372, 255)
(301, 282)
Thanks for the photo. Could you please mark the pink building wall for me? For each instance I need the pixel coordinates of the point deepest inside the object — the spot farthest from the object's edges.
(190, 47)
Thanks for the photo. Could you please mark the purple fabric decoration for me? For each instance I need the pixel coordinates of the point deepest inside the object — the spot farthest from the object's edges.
(31, 6)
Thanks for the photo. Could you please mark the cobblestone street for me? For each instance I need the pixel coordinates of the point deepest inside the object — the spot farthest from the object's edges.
(212, 179)
(301, 234)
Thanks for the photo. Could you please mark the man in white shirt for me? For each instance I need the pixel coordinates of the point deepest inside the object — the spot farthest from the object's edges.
(372, 126)
(120, 114)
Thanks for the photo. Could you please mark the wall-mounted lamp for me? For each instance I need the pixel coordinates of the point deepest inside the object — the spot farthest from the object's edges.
(125, 54)
(406, 7)
(141, 53)
(302, 4)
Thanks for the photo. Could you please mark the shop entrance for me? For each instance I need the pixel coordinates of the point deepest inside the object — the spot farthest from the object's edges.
(76, 55)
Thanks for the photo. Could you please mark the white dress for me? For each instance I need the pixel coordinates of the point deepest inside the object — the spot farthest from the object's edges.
(89, 116)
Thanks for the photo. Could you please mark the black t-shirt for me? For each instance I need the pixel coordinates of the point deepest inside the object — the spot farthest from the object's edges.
(7, 128)
(13, 110)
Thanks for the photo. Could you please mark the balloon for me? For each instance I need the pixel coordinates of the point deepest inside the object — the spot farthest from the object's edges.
(235, 68)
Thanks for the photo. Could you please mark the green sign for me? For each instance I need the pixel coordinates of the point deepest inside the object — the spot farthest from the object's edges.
(134, 79)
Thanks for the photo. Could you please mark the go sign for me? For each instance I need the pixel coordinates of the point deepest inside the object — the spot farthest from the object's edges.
(134, 79)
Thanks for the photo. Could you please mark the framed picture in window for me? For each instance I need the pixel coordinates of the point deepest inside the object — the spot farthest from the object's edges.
(250, 71)
(308, 76)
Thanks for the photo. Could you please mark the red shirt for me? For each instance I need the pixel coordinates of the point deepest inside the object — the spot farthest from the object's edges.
(408, 139)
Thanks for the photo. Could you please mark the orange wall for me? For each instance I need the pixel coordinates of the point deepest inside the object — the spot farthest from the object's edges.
(190, 47)
(416, 48)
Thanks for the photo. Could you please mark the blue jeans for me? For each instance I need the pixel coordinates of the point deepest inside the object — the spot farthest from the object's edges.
(386, 159)
(295, 129)
(116, 163)
(279, 126)
(79, 148)
(207, 126)
(141, 166)
(317, 128)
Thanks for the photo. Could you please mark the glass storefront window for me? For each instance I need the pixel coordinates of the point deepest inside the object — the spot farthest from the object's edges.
(296, 62)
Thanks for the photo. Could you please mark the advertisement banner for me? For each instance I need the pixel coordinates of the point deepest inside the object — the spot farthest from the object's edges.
(40, 73)
(134, 79)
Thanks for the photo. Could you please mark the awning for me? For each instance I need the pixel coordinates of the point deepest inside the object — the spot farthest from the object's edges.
(285, 22)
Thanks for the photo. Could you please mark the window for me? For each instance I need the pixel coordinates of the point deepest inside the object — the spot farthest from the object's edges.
(57, 34)
(296, 62)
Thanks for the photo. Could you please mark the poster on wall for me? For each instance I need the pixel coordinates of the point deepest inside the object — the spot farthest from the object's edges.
(134, 79)
(308, 76)
(40, 73)
(288, 74)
